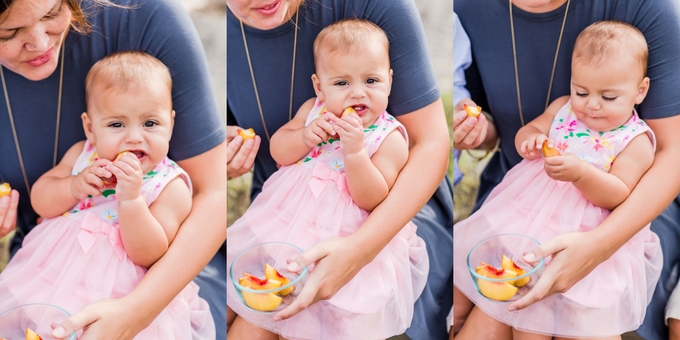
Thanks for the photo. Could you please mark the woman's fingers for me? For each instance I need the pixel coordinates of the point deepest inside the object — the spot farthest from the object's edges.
(244, 159)
(74, 323)
(471, 133)
(8, 212)
(233, 146)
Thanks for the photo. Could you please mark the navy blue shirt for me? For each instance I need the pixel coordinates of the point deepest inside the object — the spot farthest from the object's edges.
(159, 27)
(414, 85)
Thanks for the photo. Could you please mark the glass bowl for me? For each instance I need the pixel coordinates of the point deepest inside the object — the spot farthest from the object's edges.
(36, 316)
(498, 270)
(260, 291)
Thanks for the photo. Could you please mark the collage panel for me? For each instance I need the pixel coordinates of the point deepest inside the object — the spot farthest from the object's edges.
(566, 216)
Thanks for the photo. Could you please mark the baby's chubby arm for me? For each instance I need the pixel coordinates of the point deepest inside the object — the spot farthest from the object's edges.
(147, 231)
(294, 140)
(370, 179)
(57, 191)
(606, 190)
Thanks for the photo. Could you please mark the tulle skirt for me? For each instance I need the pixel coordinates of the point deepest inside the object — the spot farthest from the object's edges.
(52, 267)
(609, 301)
(377, 303)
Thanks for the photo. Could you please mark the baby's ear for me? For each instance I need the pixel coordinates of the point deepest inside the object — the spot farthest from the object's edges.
(87, 127)
(643, 88)
(317, 86)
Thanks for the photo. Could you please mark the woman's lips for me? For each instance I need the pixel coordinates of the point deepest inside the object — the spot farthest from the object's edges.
(270, 9)
(41, 59)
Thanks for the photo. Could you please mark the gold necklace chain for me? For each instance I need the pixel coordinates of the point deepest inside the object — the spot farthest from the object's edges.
(252, 75)
(14, 131)
(514, 54)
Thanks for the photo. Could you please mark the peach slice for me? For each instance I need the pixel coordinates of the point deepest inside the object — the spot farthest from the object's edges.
(254, 282)
(492, 272)
(508, 264)
(112, 179)
(5, 189)
(549, 152)
(247, 134)
(118, 156)
(31, 335)
(347, 111)
(472, 111)
(263, 302)
(273, 274)
(499, 291)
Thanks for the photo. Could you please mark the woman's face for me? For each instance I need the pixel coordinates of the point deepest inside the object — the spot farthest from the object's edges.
(538, 6)
(31, 33)
(263, 14)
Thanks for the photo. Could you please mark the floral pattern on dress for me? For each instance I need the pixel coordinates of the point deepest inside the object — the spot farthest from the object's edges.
(598, 148)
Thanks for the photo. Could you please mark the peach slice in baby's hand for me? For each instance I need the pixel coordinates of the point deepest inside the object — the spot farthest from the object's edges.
(548, 151)
(112, 180)
(508, 264)
(31, 335)
(472, 111)
(348, 111)
(5, 190)
(273, 274)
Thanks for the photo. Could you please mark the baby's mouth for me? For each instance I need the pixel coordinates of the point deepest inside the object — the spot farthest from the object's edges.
(139, 153)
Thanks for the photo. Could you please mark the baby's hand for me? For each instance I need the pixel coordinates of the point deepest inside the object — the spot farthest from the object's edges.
(351, 132)
(128, 172)
(90, 180)
(566, 167)
(319, 130)
(532, 147)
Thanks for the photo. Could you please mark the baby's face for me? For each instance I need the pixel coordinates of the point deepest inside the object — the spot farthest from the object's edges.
(138, 120)
(360, 79)
(603, 94)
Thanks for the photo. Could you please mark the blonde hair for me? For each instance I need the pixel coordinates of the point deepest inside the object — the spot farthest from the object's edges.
(348, 35)
(126, 71)
(604, 39)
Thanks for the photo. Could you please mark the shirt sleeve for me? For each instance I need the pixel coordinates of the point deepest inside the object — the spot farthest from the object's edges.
(462, 58)
(414, 84)
(165, 30)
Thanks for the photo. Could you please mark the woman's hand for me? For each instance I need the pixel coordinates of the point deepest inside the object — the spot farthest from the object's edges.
(104, 319)
(240, 158)
(90, 180)
(336, 262)
(319, 130)
(8, 212)
(468, 132)
(351, 133)
(574, 255)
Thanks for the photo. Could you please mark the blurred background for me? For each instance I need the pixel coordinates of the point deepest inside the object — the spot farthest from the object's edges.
(210, 18)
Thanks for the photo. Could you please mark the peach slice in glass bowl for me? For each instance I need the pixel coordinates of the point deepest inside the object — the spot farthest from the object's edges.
(260, 277)
(498, 270)
(35, 316)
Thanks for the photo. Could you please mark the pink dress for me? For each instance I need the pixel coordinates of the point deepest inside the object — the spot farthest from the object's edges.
(307, 202)
(613, 298)
(78, 258)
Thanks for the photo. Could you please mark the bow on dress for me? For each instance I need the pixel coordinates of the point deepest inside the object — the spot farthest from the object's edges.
(92, 226)
(322, 174)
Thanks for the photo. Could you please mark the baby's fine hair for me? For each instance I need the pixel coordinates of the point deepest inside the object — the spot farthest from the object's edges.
(348, 35)
(608, 38)
(126, 71)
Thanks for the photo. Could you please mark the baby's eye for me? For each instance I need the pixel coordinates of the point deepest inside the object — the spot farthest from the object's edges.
(116, 125)
(581, 94)
(609, 99)
(150, 123)
(341, 83)
(371, 81)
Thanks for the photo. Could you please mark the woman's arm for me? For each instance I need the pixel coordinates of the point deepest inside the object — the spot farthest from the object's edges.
(370, 179)
(575, 255)
(197, 241)
(338, 259)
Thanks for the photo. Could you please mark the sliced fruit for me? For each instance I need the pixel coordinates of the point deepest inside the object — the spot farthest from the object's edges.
(508, 264)
(31, 335)
(499, 291)
(472, 111)
(247, 134)
(254, 282)
(118, 156)
(347, 111)
(273, 274)
(490, 271)
(263, 302)
(549, 152)
(5, 189)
